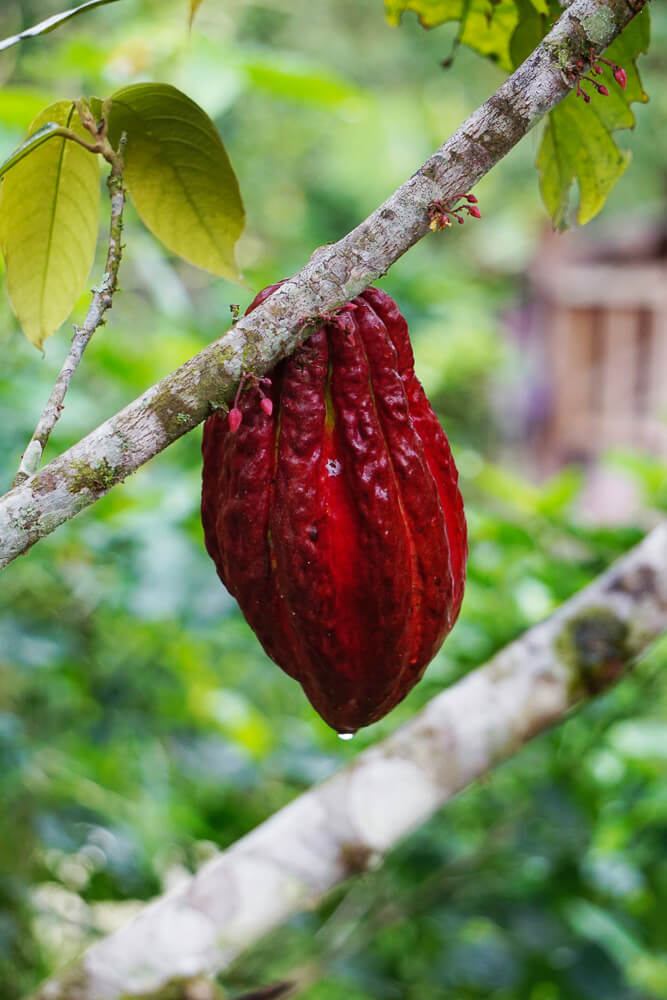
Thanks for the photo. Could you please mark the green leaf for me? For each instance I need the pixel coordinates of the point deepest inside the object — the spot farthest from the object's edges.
(194, 7)
(52, 22)
(531, 28)
(642, 741)
(19, 105)
(49, 207)
(559, 492)
(487, 27)
(633, 41)
(593, 922)
(179, 175)
(96, 105)
(295, 80)
(578, 144)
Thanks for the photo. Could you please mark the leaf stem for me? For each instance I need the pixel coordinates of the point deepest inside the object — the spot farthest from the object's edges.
(101, 301)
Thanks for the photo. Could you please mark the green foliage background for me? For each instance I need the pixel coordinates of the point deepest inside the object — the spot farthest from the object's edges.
(140, 722)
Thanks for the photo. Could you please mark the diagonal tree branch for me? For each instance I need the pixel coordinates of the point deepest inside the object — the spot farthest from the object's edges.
(333, 276)
(346, 824)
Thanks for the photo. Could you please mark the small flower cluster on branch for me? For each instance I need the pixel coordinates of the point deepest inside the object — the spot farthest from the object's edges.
(441, 213)
(235, 416)
(619, 73)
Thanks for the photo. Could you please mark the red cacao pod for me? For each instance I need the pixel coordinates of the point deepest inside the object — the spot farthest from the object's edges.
(336, 521)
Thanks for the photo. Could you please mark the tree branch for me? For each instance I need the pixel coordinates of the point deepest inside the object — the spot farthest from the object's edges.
(333, 276)
(101, 301)
(346, 824)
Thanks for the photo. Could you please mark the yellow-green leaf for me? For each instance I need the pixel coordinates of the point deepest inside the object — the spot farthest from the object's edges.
(486, 27)
(47, 131)
(530, 29)
(541, 6)
(578, 143)
(49, 208)
(179, 175)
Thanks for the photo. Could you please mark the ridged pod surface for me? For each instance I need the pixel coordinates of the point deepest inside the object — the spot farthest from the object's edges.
(336, 521)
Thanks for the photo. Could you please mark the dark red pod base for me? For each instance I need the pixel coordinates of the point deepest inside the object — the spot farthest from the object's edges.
(336, 522)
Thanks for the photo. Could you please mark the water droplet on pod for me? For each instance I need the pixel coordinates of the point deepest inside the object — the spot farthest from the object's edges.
(346, 736)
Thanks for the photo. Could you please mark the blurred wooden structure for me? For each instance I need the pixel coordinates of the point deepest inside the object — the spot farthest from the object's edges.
(603, 312)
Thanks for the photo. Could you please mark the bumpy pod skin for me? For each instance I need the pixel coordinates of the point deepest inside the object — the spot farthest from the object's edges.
(336, 522)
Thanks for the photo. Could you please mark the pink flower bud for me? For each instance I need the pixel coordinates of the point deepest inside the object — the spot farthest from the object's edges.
(234, 418)
(603, 90)
(459, 219)
(475, 212)
(267, 405)
(620, 76)
(471, 198)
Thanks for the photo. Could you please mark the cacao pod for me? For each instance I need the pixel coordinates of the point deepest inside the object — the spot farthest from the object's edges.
(334, 517)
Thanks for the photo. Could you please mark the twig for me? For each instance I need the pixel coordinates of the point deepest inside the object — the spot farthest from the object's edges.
(101, 301)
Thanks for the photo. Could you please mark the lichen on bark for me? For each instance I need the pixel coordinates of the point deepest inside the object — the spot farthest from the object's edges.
(594, 646)
(98, 478)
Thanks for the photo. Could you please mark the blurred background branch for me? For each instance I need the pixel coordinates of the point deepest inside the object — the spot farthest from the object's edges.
(346, 825)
